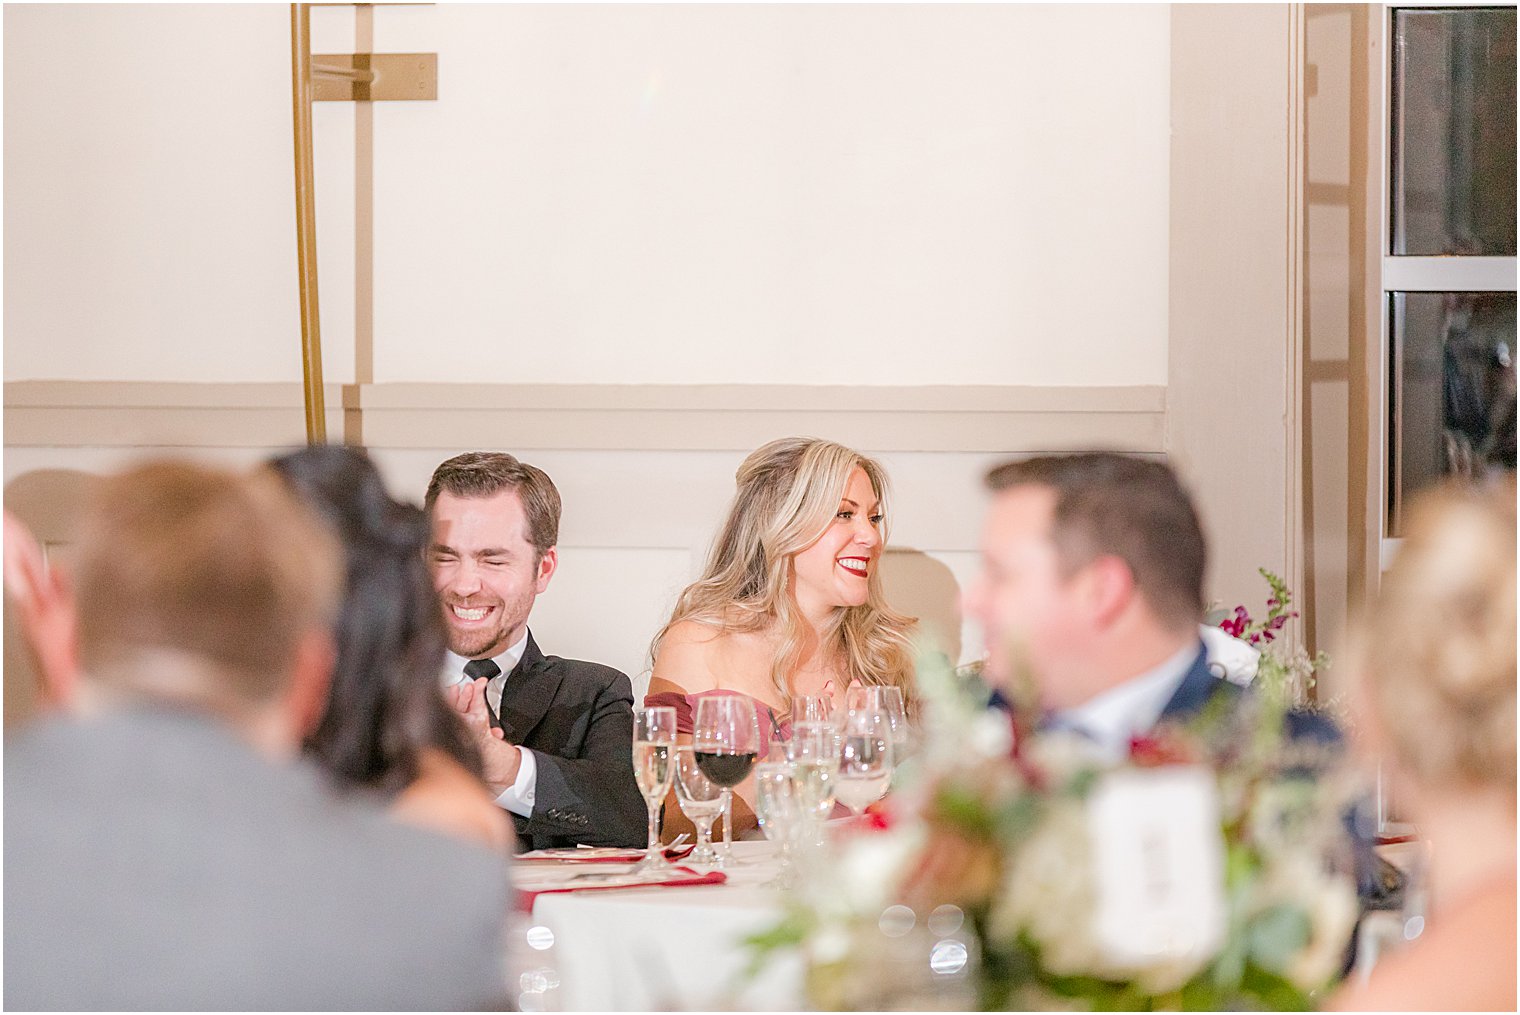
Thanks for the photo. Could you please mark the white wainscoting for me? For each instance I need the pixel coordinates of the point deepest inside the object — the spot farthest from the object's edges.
(638, 519)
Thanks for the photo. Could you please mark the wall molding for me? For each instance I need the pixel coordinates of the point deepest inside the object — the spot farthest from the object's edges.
(588, 417)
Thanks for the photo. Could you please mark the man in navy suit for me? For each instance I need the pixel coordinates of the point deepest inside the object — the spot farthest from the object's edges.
(1092, 586)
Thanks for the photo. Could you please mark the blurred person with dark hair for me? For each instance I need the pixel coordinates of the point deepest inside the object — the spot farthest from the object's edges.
(1434, 694)
(554, 734)
(201, 654)
(1092, 583)
(387, 727)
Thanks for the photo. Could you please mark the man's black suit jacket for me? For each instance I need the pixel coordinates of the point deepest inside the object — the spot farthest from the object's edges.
(577, 719)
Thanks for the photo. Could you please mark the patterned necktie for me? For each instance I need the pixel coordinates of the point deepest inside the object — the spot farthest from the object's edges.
(477, 668)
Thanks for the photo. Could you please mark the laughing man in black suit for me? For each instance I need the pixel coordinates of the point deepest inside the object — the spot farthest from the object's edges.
(556, 734)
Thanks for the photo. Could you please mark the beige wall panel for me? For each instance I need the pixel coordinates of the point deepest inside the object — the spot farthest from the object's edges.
(637, 526)
(857, 195)
(1227, 397)
(590, 417)
(777, 194)
(605, 603)
(1330, 248)
(149, 218)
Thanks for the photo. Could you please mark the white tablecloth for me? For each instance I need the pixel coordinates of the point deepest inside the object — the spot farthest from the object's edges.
(651, 949)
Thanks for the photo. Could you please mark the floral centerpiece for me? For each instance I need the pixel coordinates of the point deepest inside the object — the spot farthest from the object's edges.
(988, 878)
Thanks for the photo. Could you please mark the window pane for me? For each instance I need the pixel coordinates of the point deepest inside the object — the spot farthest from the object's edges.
(1453, 379)
(1453, 151)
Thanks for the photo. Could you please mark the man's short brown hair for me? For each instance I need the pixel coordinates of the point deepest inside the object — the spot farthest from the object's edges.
(228, 569)
(1109, 504)
(487, 473)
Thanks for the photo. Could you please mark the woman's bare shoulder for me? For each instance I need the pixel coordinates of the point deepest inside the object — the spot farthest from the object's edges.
(690, 658)
(1464, 961)
(446, 798)
(692, 632)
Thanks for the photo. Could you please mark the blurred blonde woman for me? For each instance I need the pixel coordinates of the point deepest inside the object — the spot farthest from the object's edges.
(790, 601)
(1436, 701)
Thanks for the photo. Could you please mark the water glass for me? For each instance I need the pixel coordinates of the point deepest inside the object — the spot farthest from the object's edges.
(865, 761)
(701, 800)
(813, 753)
(780, 814)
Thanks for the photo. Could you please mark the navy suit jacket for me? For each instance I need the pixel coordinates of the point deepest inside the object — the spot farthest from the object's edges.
(1200, 686)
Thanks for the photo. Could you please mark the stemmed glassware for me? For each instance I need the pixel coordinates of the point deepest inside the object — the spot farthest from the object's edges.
(865, 760)
(811, 708)
(654, 748)
(701, 800)
(897, 716)
(725, 739)
(779, 810)
(889, 702)
(813, 753)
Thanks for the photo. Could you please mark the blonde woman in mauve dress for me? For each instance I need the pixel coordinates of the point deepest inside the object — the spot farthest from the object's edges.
(790, 601)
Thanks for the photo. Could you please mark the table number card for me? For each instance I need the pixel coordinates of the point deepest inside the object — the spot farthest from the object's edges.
(1158, 861)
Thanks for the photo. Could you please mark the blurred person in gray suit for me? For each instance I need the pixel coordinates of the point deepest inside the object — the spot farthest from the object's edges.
(165, 846)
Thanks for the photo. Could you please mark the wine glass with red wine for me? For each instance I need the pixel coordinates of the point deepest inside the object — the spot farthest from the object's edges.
(725, 740)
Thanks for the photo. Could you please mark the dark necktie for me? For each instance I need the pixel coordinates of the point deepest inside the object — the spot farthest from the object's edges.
(477, 668)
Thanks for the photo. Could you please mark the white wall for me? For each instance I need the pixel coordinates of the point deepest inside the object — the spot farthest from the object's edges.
(977, 195)
(148, 192)
(629, 194)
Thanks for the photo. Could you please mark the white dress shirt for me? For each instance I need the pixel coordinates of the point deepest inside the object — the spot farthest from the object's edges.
(1111, 718)
(518, 797)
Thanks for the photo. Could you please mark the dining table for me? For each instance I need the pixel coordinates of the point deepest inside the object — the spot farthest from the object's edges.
(651, 948)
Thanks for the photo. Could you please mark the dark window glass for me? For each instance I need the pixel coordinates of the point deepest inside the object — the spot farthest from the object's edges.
(1453, 181)
(1453, 381)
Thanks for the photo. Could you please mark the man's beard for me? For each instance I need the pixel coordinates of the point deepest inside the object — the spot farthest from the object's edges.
(482, 642)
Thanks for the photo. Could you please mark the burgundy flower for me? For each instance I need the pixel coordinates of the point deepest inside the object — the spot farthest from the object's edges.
(1163, 747)
(1235, 625)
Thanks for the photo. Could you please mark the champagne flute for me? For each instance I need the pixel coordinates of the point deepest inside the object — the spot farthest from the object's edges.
(654, 747)
(865, 761)
(726, 738)
(701, 800)
(813, 753)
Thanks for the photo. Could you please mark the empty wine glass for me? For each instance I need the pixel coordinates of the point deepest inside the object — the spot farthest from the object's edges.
(725, 739)
(701, 800)
(897, 716)
(654, 744)
(811, 708)
(865, 761)
(866, 699)
(780, 814)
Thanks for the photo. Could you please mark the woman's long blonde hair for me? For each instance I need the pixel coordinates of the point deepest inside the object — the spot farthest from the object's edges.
(788, 493)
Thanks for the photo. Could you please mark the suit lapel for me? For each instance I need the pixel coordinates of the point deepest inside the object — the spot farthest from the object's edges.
(1197, 687)
(528, 693)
